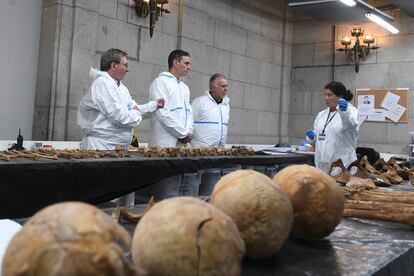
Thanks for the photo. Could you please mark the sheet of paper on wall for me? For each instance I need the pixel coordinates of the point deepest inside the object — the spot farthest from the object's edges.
(366, 104)
(395, 113)
(361, 119)
(378, 116)
(390, 100)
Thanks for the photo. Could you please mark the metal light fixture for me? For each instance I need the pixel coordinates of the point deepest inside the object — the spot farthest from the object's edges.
(153, 8)
(375, 18)
(359, 51)
(350, 3)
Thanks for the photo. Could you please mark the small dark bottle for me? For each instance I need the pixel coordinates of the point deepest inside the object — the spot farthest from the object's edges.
(134, 141)
(19, 145)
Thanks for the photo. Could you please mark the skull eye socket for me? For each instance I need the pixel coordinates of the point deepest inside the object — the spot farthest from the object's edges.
(335, 171)
(353, 170)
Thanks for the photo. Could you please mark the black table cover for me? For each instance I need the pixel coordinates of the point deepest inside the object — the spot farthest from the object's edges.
(29, 185)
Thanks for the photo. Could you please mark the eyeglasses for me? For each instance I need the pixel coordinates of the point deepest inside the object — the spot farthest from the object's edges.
(124, 64)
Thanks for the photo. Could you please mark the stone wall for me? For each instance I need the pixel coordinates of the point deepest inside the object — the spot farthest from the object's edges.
(249, 41)
(20, 34)
(391, 66)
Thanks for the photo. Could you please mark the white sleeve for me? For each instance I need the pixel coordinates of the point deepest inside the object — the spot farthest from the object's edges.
(157, 91)
(108, 102)
(349, 118)
(190, 119)
(147, 109)
(309, 140)
(316, 122)
(195, 105)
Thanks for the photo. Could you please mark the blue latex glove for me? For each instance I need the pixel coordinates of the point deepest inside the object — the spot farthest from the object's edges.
(304, 143)
(343, 104)
(310, 134)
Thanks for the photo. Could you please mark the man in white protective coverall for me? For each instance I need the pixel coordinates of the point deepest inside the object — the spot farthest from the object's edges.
(107, 114)
(211, 114)
(211, 117)
(172, 125)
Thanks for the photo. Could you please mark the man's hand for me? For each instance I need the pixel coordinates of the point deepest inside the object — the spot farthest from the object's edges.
(160, 103)
(186, 139)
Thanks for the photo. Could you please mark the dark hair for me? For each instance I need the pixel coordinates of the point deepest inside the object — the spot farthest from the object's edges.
(339, 90)
(111, 55)
(176, 55)
(214, 77)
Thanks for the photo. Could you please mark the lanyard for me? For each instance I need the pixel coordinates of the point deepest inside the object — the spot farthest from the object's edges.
(328, 120)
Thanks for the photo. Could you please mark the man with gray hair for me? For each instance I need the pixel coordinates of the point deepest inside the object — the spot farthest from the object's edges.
(107, 114)
(211, 113)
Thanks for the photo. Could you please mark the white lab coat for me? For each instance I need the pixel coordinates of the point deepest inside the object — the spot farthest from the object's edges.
(106, 113)
(175, 120)
(210, 121)
(340, 140)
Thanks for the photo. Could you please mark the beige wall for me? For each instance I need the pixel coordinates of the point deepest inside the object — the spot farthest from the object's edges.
(20, 32)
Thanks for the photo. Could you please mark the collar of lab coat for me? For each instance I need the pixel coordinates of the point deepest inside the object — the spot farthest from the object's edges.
(169, 75)
(226, 99)
(350, 105)
(95, 73)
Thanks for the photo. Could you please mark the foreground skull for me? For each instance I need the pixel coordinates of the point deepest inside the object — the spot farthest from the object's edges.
(261, 210)
(186, 236)
(70, 238)
(318, 201)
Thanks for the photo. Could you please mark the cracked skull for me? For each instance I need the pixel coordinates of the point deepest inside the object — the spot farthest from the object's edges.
(318, 201)
(186, 236)
(70, 238)
(261, 210)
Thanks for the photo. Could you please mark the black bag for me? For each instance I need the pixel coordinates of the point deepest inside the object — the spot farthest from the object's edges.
(372, 154)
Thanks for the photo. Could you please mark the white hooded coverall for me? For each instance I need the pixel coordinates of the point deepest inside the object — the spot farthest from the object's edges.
(106, 113)
(210, 121)
(175, 120)
(341, 137)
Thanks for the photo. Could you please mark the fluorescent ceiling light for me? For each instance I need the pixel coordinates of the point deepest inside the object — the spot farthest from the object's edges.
(382, 22)
(350, 3)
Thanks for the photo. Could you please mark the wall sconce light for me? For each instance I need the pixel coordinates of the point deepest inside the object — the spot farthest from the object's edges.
(153, 8)
(358, 51)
